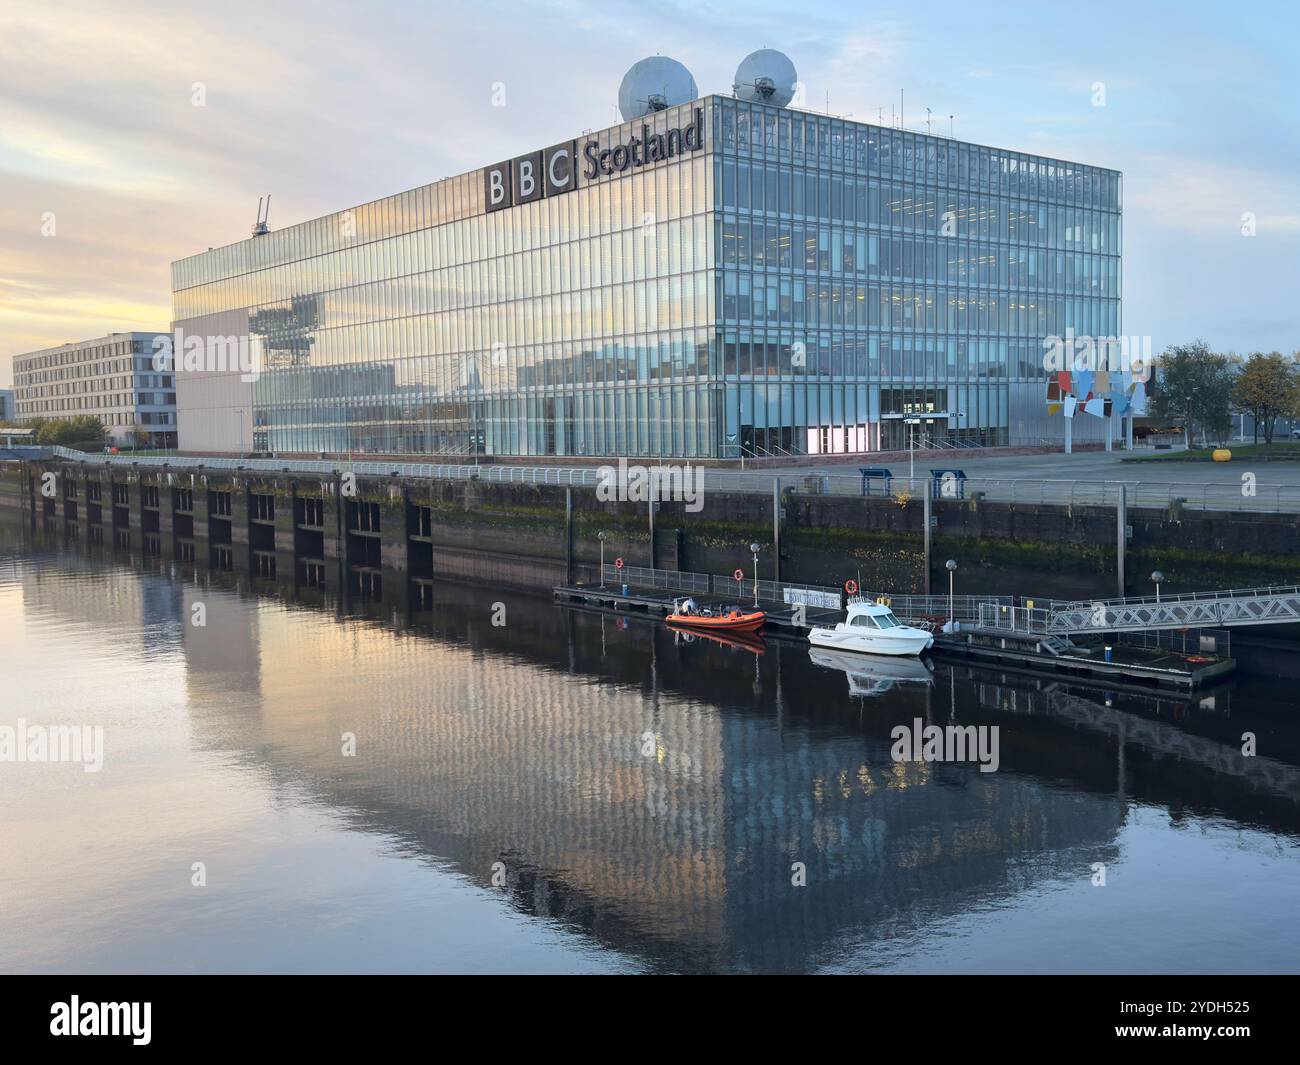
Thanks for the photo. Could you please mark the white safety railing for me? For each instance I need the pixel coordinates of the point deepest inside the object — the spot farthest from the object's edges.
(1234, 496)
(642, 578)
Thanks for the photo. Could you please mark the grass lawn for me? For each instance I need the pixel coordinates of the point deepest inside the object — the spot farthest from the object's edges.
(1278, 451)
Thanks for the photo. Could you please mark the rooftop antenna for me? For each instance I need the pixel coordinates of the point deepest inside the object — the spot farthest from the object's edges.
(260, 228)
(950, 127)
(927, 121)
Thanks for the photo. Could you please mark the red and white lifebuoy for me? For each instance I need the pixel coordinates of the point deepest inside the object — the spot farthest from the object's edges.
(739, 574)
(851, 586)
(618, 563)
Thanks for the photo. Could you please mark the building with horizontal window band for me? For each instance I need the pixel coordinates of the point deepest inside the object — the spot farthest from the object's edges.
(718, 279)
(112, 378)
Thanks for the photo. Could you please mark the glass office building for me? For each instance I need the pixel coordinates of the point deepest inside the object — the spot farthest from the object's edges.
(716, 280)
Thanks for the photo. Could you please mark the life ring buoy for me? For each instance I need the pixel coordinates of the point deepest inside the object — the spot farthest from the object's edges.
(739, 574)
(618, 563)
(851, 586)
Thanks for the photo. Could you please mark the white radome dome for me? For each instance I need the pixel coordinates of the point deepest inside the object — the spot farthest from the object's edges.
(766, 77)
(653, 84)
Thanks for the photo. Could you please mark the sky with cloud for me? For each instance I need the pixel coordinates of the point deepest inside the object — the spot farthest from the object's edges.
(330, 104)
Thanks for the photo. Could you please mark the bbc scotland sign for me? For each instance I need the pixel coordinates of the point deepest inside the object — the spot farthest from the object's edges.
(561, 168)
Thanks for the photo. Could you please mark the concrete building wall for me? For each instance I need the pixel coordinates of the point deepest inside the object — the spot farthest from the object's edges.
(217, 404)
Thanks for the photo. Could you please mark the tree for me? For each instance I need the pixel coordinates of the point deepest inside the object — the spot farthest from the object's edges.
(83, 430)
(1266, 387)
(1194, 384)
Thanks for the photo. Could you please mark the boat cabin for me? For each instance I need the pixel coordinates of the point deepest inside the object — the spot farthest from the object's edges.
(872, 616)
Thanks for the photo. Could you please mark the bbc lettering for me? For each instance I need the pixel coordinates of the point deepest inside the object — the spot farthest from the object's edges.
(555, 170)
(530, 177)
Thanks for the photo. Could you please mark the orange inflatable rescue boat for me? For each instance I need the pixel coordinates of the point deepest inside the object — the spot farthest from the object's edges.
(720, 619)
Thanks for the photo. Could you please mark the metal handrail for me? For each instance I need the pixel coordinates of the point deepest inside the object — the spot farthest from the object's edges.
(1276, 498)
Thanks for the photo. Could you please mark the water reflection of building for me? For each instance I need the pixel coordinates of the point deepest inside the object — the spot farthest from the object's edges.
(469, 754)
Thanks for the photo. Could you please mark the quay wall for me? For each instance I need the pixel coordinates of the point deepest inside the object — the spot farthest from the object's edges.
(329, 528)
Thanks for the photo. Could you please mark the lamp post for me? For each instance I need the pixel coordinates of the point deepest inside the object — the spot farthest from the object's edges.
(1157, 576)
(951, 567)
(912, 423)
(601, 537)
(754, 549)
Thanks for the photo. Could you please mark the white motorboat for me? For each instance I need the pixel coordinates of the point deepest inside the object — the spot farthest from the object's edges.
(871, 628)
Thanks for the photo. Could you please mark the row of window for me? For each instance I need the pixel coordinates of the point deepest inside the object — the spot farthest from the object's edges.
(46, 399)
(407, 286)
(114, 385)
(952, 212)
(433, 380)
(833, 304)
(66, 357)
(31, 370)
(677, 420)
(669, 303)
(751, 130)
(836, 251)
(491, 353)
(845, 356)
(111, 415)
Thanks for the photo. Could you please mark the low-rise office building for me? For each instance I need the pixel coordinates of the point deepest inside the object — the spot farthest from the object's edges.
(112, 378)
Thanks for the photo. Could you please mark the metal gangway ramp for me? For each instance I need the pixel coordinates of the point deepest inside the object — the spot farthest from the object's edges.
(1219, 609)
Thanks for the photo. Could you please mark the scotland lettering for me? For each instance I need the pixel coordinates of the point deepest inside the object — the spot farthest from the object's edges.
(554, 170)
(648, 148)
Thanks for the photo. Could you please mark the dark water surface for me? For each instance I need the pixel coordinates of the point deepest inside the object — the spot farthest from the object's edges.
(647, 798)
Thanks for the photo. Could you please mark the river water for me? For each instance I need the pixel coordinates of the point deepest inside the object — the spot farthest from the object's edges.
(498, 784)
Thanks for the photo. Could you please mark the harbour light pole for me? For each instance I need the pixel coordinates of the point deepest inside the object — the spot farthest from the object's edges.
(1157, 577)
(601, 537)
(754, 549)
(951, 567)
